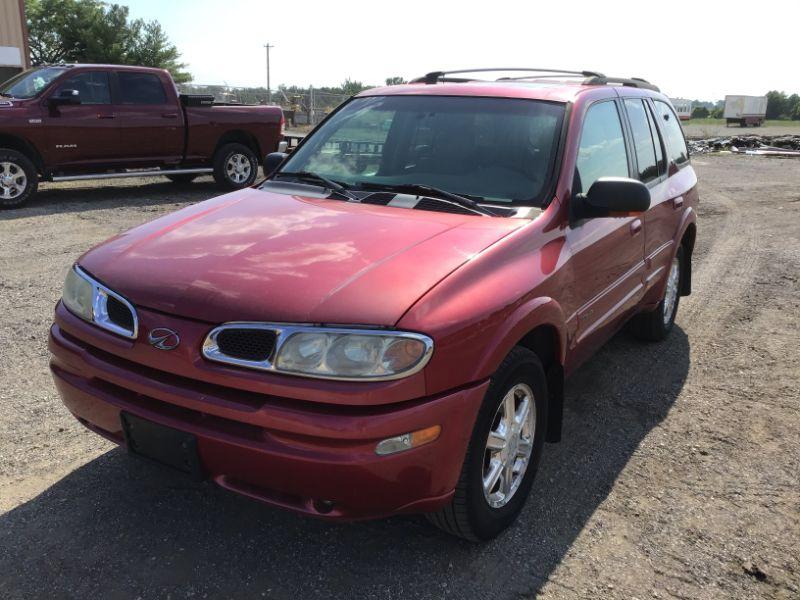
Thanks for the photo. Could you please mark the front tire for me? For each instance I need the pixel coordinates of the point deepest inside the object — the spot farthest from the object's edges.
(18, 178)
(654, 326)
(235, 166)
(503, 454)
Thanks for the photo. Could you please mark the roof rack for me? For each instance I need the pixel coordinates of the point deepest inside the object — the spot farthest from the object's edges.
(636, 82)
(437, 76)
(589, 77)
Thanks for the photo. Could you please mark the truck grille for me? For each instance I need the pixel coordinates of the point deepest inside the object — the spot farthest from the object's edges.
(246, 344)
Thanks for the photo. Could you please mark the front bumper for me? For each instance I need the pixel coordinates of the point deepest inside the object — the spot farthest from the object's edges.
(310, 457)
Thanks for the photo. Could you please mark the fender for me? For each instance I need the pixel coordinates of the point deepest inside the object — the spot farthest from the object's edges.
(21, 144)
(538, 312)
(688, 218)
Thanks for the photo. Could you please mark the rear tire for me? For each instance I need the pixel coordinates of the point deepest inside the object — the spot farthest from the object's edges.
(480, 511)
(18, 178)
(182, 179)
(235, 166)
(655, 325)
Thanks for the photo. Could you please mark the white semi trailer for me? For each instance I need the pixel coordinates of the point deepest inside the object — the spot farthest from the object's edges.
(745, 110)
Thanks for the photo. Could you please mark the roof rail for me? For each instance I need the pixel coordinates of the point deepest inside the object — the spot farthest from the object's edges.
(636, 82)
(590, 77)
(437, 76)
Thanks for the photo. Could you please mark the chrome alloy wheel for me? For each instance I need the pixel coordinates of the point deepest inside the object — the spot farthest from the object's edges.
(238, 168)
(509, 445)
(13, 180)
(671, 295)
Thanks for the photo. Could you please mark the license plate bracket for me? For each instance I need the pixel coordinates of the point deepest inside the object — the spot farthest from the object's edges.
(165, 445)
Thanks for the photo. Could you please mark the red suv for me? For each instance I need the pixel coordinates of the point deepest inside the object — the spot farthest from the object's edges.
(384, 325)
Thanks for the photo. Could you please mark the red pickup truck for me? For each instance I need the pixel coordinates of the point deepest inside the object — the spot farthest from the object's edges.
(66, 122)
(385, 324)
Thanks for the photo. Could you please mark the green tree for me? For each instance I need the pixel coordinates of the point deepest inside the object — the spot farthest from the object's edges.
(699, 112)
(395, 80)
(351, 88)
(776, 104)
(92, 31)
(793, 107)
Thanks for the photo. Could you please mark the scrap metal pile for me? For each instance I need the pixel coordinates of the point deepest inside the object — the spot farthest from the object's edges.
(784, 145)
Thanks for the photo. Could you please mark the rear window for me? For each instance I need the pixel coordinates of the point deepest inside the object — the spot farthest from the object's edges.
(676, 143)
(495, 149)
(140, 88)
(642, 140)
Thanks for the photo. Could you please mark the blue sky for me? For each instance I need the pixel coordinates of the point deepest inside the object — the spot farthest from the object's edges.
(690, 49)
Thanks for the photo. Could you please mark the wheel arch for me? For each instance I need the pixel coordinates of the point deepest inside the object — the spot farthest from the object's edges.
(540, 326)
(13, 142)
(239, 136)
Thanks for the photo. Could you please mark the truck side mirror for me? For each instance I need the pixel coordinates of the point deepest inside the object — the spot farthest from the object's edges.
(272, 161)
(611, 197)
(66, 97)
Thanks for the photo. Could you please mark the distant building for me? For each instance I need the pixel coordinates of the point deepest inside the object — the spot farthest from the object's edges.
(683, 108)
(14, 53)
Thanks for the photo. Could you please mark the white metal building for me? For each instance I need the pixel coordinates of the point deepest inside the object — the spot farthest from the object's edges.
(14, 54)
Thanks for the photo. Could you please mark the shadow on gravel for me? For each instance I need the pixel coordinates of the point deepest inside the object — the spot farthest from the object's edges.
(59, 199)
(118, 527)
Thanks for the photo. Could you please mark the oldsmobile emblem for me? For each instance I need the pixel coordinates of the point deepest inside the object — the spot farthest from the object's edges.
(163, 338)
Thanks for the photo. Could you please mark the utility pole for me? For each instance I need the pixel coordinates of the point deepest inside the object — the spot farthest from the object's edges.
(269, 89)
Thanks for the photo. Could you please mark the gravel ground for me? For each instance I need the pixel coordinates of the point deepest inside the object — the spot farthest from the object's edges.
(678, 477)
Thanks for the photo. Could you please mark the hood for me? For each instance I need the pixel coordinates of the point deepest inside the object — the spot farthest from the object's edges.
(265, 256)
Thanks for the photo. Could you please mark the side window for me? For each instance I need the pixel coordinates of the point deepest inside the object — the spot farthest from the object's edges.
(92, 86)
(602, 149)
(676, 144)
(140, 88)
(642, 139)
(659, 142)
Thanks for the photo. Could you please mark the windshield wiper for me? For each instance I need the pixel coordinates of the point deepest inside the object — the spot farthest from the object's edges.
(431, 192)
(329, 183)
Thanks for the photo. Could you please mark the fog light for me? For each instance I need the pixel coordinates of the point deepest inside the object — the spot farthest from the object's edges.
(408, 440)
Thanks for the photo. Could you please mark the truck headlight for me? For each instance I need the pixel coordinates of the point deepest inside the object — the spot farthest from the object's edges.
(352, 355)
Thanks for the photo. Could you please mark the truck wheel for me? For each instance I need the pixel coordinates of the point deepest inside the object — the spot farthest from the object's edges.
(182, 179)
(655, 325)
(235, 166)
(18, 178)
(503, 453)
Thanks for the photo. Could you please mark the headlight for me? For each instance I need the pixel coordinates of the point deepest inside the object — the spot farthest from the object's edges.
(94, 302)
(326, 353)
(78, 295)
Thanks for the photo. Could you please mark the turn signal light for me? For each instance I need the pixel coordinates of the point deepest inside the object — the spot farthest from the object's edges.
(407, 441)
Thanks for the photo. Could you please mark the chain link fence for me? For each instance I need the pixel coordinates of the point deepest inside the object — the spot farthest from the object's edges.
(302, 107)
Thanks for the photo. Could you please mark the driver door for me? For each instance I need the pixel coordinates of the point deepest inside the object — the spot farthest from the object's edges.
(82, 136)
(607, 253)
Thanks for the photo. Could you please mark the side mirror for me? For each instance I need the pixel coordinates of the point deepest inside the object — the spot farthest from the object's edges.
(611, 197)
(66, 97)
(272, 161)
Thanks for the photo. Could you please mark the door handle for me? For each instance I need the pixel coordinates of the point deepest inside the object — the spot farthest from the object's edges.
(636, 226)
(170, 115)
(106, 116)
(677, 202)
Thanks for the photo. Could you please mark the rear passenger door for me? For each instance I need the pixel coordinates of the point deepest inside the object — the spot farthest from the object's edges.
(149, 119)
(651, 169)
(667, 202)
(607, 253)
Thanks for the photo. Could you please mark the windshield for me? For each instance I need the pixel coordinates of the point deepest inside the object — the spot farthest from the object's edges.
(28, 84)
(493, 149)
